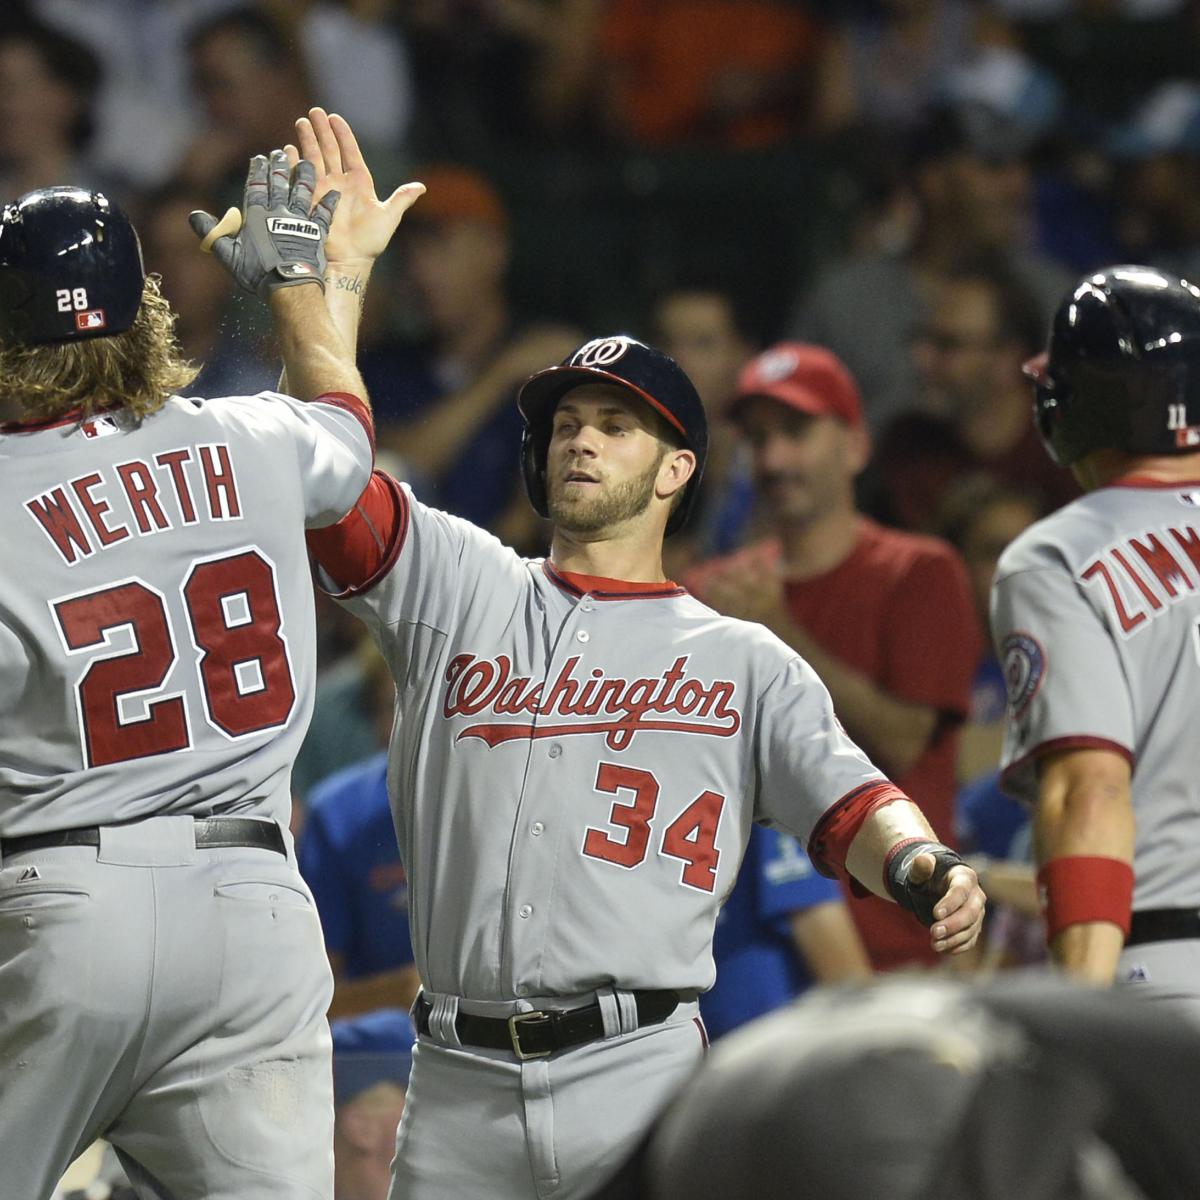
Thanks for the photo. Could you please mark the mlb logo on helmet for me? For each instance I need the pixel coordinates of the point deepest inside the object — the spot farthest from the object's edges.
(92, 319)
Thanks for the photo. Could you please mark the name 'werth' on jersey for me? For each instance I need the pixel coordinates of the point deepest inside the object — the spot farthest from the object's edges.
(103, 507)
(172, 610)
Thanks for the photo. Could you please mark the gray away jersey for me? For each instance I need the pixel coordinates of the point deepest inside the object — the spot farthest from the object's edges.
(574, 774)
(1096, 618)
(156, 612)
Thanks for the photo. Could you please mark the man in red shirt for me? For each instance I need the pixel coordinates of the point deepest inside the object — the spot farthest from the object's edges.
(884, 617)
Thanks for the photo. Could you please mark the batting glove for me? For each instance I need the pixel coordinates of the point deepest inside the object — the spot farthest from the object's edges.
(277, 242)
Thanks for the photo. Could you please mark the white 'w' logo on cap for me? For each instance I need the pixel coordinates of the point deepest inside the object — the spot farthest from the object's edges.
(601, 352)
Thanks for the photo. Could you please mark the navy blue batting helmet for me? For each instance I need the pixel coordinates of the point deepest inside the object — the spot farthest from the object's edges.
(626, 363)
(70, 267)
(1122, 370)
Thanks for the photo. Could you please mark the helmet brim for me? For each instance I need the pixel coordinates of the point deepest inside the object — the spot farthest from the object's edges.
(540, 393)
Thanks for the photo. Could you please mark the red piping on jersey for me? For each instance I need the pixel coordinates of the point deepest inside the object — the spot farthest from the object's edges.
(1077, 742)
(361, 548)
(601, 588)
(1148, 481)
(355, 406)
(839, 826)
(74, 417)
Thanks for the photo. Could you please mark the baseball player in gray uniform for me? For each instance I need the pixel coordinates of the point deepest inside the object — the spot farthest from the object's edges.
(163, 982)
(579, 752)
(1096, 614)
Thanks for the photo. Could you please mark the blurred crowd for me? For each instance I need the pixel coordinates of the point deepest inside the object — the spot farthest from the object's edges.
(848, 220)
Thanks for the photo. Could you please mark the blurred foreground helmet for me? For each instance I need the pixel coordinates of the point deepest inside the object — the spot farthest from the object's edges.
(70, 267)
(1018, 1089)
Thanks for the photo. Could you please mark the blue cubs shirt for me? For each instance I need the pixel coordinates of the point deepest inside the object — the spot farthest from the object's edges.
(348, 856)
(758, 965)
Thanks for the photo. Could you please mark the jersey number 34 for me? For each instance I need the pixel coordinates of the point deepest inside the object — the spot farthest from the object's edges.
(691, 837)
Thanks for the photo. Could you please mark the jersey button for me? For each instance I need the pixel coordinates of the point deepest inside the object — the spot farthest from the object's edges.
(582, 636)
(555, 750)
(586, 606)
(537, 829)
(526, 910)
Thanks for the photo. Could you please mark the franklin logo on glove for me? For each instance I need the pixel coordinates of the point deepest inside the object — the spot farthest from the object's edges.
(275, 241)
(304, 229)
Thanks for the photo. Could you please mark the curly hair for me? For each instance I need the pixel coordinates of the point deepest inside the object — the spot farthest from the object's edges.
(135, 370)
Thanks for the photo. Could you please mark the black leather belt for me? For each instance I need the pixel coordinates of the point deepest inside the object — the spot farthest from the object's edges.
(1163, 925)
(212, 833)
(539, 1034)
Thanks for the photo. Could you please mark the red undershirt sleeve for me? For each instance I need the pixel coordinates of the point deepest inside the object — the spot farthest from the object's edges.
(361, 548)
(837, 829)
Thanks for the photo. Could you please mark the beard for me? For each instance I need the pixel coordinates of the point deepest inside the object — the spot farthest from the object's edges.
(608, 506)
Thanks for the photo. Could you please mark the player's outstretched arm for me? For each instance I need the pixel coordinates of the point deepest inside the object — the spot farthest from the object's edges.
(896, 855)
(275, 248)
(363, 225)
(1084, 839)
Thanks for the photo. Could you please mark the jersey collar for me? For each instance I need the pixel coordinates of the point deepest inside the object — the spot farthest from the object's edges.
(1149, 482)
(74, 417)
(608, 589)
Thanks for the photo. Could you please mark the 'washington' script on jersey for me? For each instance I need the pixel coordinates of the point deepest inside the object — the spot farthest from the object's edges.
(486, 684)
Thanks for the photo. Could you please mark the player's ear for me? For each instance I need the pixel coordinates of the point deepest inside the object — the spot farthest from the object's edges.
(677, 467)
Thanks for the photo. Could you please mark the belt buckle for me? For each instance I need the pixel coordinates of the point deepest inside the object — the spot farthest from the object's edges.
(515, 1034)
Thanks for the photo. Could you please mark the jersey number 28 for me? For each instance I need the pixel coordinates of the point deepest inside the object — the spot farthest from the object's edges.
(241, 659)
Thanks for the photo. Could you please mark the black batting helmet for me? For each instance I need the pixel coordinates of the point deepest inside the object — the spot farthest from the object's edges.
(640, 369)
(70, 267)
(1123, 367)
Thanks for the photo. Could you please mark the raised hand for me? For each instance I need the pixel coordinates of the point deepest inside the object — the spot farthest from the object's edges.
(364, 224)
(278, 239)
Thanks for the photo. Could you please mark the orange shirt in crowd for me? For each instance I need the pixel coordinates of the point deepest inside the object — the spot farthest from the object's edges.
(673, 56)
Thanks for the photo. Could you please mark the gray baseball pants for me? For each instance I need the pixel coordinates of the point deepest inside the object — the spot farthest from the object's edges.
(171, 1000)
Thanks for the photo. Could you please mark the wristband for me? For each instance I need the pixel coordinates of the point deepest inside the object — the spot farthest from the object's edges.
(918, 898)
(1081, 888)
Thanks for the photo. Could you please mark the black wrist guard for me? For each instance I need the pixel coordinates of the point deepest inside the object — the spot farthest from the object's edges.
(919, 898)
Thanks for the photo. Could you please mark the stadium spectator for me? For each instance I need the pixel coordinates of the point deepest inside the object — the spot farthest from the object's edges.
(979, 328)
(48, 83)
(143, 112)
(448, 407)
(1156, 156)
(348, 856)
(731, 73)
(883, 617)
(709, 331)
(966, 191)
(250, 84)
(782, 928)
(372, 1058)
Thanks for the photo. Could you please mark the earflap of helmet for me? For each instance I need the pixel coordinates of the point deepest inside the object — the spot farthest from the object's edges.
(535, 444)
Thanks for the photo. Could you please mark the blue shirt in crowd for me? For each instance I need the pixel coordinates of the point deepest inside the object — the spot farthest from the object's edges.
(348, 856)
(758, 965)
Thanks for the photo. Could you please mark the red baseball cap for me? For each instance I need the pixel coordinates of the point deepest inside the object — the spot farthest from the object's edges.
(807, 378)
